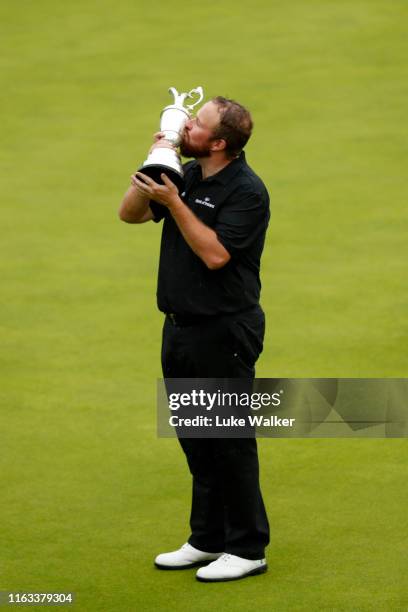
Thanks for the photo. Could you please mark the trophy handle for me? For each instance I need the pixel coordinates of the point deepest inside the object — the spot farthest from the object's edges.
(199, 92)
(178, 98)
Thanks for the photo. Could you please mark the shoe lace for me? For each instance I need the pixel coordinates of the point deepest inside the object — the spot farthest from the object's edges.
(225, 557)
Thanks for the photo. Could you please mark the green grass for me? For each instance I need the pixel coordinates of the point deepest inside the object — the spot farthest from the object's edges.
(89, 494)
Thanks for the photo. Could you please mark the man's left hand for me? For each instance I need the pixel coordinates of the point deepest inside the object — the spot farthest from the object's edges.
(166, 194)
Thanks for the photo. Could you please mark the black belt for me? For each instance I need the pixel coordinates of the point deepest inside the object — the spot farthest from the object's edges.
(187, 320)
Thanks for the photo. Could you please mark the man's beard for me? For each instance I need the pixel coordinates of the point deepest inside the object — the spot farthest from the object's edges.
(197, 151)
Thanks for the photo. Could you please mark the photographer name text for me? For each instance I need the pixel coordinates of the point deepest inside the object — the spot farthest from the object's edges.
(231, 421)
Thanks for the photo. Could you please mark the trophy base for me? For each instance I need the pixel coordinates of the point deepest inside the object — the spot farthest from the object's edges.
(155, 170)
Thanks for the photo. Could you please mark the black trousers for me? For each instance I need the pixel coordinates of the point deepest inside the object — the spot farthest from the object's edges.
(227, 513)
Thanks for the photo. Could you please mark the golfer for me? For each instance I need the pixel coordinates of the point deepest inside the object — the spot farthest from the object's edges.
(208, 288)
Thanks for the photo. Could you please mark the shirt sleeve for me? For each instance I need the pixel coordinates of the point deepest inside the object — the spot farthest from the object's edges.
(242, 218)
(159, 211)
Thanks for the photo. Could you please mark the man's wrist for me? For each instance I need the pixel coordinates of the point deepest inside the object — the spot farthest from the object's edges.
(176, 204)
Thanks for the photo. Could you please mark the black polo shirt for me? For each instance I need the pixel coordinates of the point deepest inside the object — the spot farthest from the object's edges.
(235, 203)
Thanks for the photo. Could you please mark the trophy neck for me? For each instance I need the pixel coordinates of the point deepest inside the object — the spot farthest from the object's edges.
(175, 107)
(172, 122)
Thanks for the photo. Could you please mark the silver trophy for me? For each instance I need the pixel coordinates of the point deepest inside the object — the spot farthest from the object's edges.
(172, 122)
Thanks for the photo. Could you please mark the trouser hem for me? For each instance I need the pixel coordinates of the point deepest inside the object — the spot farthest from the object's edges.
(206, 548)
(246, 555)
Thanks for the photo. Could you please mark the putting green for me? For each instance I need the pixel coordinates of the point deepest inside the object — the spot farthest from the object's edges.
(89, 494)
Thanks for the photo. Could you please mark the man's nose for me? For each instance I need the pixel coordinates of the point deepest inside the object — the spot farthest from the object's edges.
(189, 124)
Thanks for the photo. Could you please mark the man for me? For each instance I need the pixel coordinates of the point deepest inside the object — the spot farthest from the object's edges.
(209, 287)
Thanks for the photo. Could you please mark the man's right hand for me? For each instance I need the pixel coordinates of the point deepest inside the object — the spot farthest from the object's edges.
(160, 142)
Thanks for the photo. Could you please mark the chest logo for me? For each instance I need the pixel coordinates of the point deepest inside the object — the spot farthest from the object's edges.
(205, 202)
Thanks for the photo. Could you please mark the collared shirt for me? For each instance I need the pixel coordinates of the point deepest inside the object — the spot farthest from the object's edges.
(235, 203)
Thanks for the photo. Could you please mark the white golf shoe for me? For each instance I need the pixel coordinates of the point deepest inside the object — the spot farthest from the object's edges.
(187, 556)
(230, 567)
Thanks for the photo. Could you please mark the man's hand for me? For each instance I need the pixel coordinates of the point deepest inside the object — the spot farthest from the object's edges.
(160, 142)
(166, 194)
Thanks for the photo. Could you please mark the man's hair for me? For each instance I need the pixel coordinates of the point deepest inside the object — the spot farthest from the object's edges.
(235, 125)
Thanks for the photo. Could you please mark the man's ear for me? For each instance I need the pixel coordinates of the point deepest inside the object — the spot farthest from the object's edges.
(218, 145)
